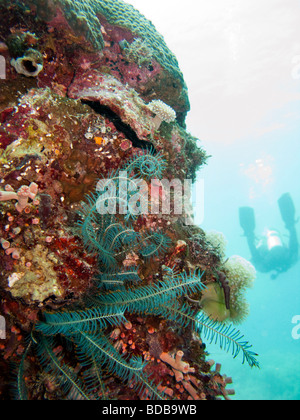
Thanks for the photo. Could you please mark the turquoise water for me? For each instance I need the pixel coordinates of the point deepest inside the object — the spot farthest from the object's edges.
(273, 303)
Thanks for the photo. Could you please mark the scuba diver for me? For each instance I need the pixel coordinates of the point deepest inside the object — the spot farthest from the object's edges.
(270, 253)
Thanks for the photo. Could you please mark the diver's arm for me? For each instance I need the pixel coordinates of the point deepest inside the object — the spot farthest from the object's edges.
(252, 247)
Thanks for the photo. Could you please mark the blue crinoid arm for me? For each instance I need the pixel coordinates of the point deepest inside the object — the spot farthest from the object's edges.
(65, 376)
(99, 347)
(119, 193)
(116, 278)
(103, 234)
(148, 166)
(153, 244)
(226, 335)
(93, 319)
(144, 299)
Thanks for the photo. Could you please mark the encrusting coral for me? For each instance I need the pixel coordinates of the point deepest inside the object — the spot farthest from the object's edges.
(138, 51)
(101, 305)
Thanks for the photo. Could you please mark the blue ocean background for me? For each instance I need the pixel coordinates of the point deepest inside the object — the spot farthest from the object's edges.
(273, 303)
(241, 63)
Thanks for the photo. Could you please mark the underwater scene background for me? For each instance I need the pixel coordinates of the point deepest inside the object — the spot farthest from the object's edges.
(273, 303)
(244, 87)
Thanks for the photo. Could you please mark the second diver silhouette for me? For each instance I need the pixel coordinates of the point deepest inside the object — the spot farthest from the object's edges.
(271, 254)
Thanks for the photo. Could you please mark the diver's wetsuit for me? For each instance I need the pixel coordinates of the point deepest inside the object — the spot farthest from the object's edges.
(278, 258)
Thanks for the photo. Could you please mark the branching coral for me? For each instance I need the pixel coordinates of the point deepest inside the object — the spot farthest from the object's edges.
(188, 378)
(176, 362)
(181, 371)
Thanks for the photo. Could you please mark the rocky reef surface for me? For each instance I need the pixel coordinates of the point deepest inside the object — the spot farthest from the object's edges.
(104, 305)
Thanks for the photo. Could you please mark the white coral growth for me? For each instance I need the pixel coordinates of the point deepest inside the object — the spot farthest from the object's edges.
(240, 272)
(241, 275)
(162, 111)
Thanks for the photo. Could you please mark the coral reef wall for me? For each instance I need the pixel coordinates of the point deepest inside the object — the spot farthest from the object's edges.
(75, 109)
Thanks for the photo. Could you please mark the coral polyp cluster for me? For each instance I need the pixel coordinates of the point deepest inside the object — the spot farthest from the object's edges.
(102, 297)
(163, 112)
(241, 276)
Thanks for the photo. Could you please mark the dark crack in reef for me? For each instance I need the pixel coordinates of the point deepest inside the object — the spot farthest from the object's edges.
(97, 305)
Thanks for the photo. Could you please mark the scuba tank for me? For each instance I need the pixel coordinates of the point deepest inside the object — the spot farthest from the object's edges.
(278, 259)
(273, 239)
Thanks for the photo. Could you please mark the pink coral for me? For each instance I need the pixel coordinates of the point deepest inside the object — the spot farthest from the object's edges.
(22, 195)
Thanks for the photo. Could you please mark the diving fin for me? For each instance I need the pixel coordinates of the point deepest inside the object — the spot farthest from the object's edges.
(247, 220)
(287, 210)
